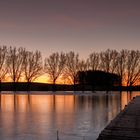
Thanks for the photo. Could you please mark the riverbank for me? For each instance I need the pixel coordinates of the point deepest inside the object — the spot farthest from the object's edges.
(24, 86)
(59, 92)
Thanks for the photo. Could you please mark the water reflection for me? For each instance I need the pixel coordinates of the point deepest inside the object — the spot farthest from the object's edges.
(127, 97)
(40, 116)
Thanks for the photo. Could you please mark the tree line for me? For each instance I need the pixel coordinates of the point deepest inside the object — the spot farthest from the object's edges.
(20, 64)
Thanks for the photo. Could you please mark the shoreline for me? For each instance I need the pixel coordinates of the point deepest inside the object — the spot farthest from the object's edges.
(60, 92)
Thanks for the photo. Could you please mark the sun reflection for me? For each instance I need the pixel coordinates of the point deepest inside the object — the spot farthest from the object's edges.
(126, 97)
(60, 103)
(7, 102)
(22, 103)
(43, 103)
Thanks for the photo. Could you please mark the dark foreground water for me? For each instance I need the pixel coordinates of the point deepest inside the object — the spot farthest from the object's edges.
(74, 117)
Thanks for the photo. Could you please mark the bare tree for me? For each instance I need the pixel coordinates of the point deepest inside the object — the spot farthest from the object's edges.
(94, 61)
(83, 67)
(54, 66)
(108, 60)
(15, 63)
(133, 68)
(32, 66)
(72, 66)
(121, 65)
(3, 64)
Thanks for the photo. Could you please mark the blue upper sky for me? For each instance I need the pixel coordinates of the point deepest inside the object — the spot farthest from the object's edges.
(82, 26)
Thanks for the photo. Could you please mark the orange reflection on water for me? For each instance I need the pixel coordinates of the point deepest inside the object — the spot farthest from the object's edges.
(14, 102)
(64, 109)
(22, 103)
(37, 103)
(126, 97)
(47, 103)
(61, 103)
(7, 102)
(41, 114)
(40, 103)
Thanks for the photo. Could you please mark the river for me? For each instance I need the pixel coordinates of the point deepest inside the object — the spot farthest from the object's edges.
(63, 117)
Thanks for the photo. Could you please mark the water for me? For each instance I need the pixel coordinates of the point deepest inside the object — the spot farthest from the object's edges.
(73, 117)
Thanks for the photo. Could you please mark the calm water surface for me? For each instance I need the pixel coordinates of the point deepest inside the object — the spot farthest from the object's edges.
(76, 117)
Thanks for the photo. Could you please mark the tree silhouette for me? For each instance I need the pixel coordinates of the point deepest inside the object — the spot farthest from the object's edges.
(32, 66)
(100, 79)
(3, 63)
(15, 64)
(72, 66)
(83, 67)
(108, 60)
(54, 66)
(19, 64)
(133, 68)
(94, 61)
(121, 65)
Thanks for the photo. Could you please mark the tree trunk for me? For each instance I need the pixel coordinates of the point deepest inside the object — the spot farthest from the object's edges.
(28, 86)
(15, 86)
(0, 86)
(130, 87)
(74, 85)
(120, 85)
(54, 86)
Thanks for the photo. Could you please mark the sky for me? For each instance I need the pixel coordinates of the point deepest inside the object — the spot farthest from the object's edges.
(82, 26)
